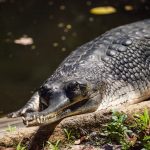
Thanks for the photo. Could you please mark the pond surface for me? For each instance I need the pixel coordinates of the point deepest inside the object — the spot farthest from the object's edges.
(36, 35)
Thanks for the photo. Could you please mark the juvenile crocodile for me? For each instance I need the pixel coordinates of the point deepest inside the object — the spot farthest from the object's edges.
(109, 71)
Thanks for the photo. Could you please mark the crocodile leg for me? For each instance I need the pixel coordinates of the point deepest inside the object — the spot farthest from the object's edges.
(31, 106)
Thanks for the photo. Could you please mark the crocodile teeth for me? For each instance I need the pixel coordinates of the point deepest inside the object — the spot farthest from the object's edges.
(38, 120)
(23, 118)
(41, 119)
(27, 123)
(44, 119)
(34, 117)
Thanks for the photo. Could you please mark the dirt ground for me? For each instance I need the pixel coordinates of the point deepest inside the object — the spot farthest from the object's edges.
(35, 137)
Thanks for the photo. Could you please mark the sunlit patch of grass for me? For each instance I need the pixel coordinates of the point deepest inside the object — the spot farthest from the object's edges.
(20, 147)
(11, 128)
(68, 134)
(53, 146)
(142, 121)
(134, 134)
(117, 131)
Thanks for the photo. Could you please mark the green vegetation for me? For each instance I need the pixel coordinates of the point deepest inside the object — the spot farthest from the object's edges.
(53, 146)
(117, 131)
(128, 132)
(142, 121)
(11, 128)
(133, 134)
(69, 135)
(20, 147)
(56, 145)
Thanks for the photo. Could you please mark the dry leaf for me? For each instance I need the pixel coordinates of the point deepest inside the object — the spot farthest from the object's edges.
(103, 10)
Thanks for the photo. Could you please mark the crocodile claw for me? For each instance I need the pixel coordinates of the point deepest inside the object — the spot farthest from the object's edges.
(14, 114)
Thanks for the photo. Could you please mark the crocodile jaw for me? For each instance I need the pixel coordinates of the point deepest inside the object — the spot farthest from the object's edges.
(35, 118)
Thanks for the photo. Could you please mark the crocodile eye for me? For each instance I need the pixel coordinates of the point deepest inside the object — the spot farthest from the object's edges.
(73, 86)
(45, 91)
(75, 89)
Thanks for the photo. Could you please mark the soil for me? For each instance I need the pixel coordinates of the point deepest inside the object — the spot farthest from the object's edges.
(35, 137)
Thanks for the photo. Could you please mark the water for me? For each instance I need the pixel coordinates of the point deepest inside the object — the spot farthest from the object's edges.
(56, 27)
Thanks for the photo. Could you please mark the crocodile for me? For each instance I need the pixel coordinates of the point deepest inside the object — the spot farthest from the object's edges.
(110, 71)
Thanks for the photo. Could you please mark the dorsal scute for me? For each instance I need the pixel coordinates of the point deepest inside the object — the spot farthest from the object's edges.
(106, 48)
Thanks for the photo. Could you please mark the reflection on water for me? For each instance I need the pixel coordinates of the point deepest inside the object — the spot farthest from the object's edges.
(36, 35)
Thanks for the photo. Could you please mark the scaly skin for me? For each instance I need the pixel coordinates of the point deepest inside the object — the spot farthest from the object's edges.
(111, 70)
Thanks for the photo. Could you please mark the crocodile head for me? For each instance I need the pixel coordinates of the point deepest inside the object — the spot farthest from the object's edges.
(61, 99)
